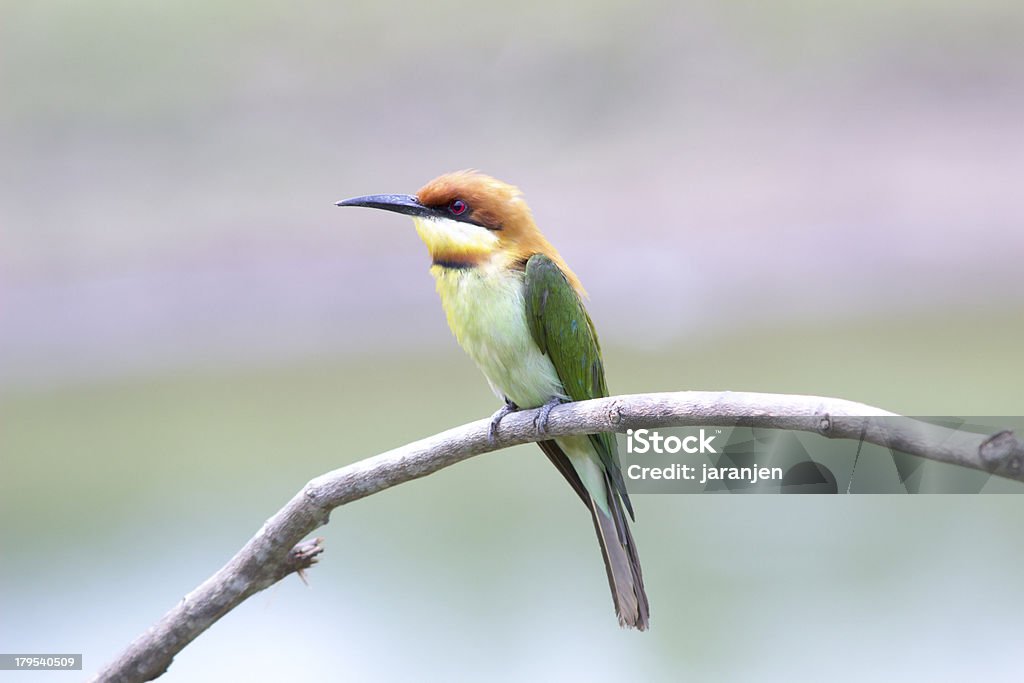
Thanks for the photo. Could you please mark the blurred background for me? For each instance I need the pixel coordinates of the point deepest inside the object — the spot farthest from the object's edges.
(789, 196)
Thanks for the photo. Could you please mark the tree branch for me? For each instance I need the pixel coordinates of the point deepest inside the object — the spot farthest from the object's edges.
(274, 552)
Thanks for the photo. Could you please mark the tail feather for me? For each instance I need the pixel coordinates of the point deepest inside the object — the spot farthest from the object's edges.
(621, 562)
(622, 565)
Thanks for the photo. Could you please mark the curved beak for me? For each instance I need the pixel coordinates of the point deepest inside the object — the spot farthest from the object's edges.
(399, 203)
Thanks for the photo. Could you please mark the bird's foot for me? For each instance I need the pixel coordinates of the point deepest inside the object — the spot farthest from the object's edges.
(541, 421)
(492, 431)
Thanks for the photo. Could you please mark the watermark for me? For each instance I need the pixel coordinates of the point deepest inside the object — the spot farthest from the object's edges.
(40, 662)
(738, 459)
(751, 475)
(649, 440)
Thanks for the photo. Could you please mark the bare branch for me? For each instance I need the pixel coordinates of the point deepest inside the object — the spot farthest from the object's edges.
(273, 552)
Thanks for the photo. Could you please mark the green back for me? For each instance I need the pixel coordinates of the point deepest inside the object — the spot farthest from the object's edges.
(562, 329)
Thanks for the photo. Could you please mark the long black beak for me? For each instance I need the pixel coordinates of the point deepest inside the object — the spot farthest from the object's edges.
(399, 203)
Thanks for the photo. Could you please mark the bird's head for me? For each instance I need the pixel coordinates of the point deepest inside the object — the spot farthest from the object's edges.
(468, 219)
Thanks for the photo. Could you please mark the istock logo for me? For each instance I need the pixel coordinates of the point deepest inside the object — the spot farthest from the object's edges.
(649, 441)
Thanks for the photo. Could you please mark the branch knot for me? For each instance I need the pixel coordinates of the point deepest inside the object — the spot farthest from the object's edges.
(1002, 452)
(615, 413)
(825, 424)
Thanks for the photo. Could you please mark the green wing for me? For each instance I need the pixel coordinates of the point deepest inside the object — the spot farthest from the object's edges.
(562, 329)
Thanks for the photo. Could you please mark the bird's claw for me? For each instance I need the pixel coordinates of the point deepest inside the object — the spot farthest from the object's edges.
(541, 421)
(492, 430)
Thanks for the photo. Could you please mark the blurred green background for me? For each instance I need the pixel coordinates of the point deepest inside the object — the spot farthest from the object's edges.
(793, 197)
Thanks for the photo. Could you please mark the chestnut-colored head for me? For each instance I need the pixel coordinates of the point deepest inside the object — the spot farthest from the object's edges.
(468, 219)
(486, 201)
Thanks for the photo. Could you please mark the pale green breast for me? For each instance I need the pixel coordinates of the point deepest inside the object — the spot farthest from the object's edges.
(487, 313)
(486, 310)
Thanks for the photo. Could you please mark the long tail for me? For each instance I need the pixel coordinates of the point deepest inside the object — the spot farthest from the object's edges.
(622, 564)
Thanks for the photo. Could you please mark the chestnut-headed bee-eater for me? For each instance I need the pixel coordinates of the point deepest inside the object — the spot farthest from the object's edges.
(516, 308)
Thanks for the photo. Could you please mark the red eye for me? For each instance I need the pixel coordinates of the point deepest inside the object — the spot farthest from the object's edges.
(457, 207)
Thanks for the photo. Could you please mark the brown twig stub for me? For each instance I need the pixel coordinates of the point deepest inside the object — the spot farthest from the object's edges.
(273, 552)
(303, 556)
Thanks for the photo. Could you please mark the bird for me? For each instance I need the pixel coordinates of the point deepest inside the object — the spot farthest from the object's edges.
(516, 308)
